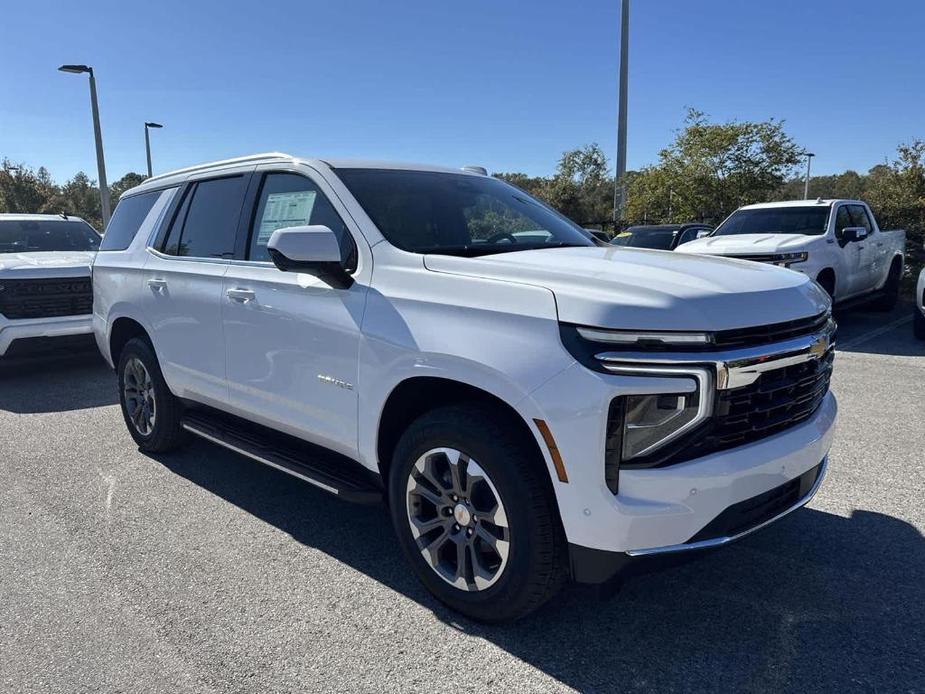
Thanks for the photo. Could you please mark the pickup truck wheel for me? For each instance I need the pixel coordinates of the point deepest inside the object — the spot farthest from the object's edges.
(151, 412)
(888, 296)
(474, 516)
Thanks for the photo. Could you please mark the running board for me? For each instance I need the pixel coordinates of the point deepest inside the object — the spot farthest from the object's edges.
(334, 473)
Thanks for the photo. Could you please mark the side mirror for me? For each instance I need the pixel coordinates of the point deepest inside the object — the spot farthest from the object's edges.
(313, 250)
(851, 234)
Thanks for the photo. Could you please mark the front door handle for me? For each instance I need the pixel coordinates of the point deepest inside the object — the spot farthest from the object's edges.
(242, 296)
(157, 284)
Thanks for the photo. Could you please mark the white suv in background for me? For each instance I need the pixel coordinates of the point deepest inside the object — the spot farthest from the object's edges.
(531, 404)
(46, 297)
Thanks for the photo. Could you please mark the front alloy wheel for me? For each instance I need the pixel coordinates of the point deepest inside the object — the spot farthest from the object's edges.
(457, 519)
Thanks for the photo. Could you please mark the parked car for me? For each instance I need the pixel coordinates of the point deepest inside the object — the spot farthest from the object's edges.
(45, 289)
(836, 242)
(532, 408)
(663, 237)
(918, 317)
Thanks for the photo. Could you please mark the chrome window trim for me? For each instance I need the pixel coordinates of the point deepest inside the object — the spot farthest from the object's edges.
(187, 258)
(726, 539)
(734, 368)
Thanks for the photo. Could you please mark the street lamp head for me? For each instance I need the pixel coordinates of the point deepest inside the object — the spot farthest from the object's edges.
(808, 154)
(77, 69)
(153, 125)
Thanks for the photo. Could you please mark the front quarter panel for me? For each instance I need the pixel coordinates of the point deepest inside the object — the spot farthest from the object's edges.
(497, 336)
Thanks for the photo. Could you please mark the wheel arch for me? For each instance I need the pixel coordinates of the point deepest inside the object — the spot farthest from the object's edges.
(416, 395)
(825, 273)
(124, 329)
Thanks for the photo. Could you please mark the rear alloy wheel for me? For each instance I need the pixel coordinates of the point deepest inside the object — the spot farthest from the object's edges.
(151, 412)
(140, 400)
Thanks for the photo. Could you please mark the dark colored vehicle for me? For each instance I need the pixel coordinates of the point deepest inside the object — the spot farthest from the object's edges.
(663, 237)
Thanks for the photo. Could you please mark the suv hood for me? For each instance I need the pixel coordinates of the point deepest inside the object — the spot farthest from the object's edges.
(650, 290)
(46, 264)
(743, 244)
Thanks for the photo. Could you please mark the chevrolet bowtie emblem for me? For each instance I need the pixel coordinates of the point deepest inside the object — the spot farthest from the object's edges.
(819, 347)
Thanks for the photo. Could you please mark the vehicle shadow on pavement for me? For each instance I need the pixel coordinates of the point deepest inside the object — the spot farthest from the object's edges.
(58, 383)
(866, 331)
(815, 602)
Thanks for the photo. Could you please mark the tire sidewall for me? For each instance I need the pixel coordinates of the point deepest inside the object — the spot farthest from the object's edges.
(513, 493)
(141, 350)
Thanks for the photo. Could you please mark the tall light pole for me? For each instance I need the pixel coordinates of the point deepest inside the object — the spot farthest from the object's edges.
(618, 188)
(809, 158)
(100, 163)
(148, 143)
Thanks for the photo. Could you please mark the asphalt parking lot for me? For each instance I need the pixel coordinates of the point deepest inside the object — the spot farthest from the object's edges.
(202, 571)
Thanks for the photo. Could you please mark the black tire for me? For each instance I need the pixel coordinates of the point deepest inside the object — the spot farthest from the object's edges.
(165, 432)
(918, 324)
(536, 565)
(826, 280)
(888, 296)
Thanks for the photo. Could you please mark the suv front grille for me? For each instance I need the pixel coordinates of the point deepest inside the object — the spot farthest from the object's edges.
(778, 400)
(46, 298)
(767, 334)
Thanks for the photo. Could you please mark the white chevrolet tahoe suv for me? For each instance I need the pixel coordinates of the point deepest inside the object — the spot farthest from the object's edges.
(835, 242)
(46, 297)
(531, 404)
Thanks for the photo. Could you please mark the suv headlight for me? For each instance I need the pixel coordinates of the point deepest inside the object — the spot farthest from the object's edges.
(788, 259)
(639, 425)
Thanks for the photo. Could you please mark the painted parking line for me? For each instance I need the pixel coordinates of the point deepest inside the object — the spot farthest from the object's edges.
(860, 339)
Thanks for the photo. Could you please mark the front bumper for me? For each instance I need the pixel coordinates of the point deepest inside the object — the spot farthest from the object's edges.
(42, 328)
(661, 507)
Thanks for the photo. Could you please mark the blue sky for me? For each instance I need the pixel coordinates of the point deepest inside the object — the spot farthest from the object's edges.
(505, 84)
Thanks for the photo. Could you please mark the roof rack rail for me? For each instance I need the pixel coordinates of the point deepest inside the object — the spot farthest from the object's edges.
(224, 162)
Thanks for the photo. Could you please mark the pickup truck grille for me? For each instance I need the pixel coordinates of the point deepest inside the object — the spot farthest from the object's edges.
(759, 257)
(776, 401)
(46, 298)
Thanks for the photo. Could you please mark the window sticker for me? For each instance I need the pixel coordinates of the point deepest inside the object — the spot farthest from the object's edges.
(285, 210)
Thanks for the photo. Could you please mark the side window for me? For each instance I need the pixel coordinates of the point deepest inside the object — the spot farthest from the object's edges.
(130, 213)
(842, 220)
(859, 217)
(288, 200)
(206, 223)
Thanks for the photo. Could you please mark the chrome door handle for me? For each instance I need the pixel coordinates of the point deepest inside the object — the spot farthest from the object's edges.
(157, 284)
(241, 295)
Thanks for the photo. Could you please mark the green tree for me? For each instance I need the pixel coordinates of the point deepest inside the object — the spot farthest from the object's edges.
(129, 180)
(24, 190)
(79, 196)
(711, 169)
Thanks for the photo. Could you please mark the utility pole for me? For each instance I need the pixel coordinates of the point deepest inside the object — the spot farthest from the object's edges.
(619, 191)
(809, 158)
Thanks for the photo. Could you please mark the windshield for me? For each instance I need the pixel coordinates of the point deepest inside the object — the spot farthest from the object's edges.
(29, 235)
(659, 238)
(776, 220)
(457, 214)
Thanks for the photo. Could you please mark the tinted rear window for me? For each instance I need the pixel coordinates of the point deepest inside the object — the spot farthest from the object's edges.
(32, 235)
(126, 220)
(209, 219)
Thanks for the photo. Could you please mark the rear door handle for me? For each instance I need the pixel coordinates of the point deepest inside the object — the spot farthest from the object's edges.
(242, 296)
(157, 284)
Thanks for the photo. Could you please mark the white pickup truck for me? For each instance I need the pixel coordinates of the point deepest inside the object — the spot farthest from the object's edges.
(835, 242)
(46, 297)
(532, 404)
